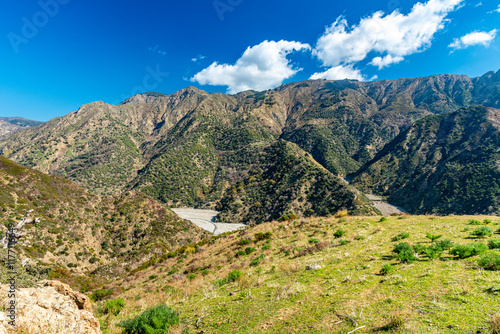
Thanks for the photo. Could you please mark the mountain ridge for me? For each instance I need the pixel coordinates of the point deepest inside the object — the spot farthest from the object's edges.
(342, 124)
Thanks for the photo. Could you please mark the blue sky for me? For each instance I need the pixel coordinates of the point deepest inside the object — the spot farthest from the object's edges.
(59, 54)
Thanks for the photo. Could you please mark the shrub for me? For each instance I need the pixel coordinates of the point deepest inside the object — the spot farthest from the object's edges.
(419, 249)
(234, 275)
(433, 237)
(444, 244)
(342, 213)
(404, 252)
(339, 233)
(205, 272)
(474, 222)
(244, 242)
(387, 268)
(490, 262)
(191, 276)
(313, 241)
(154, 320)
(266, 246)
(400, 236)
(464, 251)
(153, 276)
(433, 252)
(383, 219)
(114, 306)
(494, 243)
(240, 253)
(287, 217)
(249, 250)
(263, 236)
(173, 271)
(343, 242)
(101, 294)
(483, 231)
(255, 262)
(487, 221)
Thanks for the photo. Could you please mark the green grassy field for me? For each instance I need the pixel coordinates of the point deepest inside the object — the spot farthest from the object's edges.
(276, 294)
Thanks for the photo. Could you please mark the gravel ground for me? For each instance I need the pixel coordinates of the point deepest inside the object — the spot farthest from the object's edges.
(384, 207)
(205, 220)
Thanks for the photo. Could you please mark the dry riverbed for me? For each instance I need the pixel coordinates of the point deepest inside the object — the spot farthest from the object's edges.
(205, 219)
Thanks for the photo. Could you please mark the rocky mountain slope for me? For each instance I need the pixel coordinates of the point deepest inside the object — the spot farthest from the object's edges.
(192, 148)
(83, 238)
(446, 163)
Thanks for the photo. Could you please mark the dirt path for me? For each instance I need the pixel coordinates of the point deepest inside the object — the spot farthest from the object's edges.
(205, 219)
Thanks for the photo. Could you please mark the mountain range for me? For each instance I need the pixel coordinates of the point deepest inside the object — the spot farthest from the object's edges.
(428, 144)
(11, 124)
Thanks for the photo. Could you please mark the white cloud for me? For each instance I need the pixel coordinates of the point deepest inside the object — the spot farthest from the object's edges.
(498, 9)
(338, 73)
(386, 61)
(474, 38)
(393, 36)
(261, 67)
(198, 58)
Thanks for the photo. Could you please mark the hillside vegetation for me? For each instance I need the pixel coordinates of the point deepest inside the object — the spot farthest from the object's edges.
(446, 163)
(83, 238)
(404, 274)
(192, 148)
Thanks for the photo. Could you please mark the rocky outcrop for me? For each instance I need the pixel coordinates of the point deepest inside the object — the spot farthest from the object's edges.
(52, 307)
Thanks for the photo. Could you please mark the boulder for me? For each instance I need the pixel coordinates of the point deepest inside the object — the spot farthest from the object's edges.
(52, 307)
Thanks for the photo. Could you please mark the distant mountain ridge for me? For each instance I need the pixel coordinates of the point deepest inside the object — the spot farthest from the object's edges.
(9, 125)
(194, 148)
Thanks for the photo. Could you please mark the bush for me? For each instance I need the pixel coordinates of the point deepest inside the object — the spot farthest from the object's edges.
(343, 242)
(444, 244)
(474, 222)
(249, 250)
(153, 276)
(244, 242)
(433, 237)
(490, 262)
(483, 231)
(266, 247)
(240, 253)
(400, 236)
(339, 233)
(287, 217)
(101, 294)
(487, 221)
(263, 236)
(383, 219)
(494, 243)
(114, 306)
(464, 251)
(313, 241)
(234, 275)
(387, 268)
(191, 276)
(155, 320)
(404, 252)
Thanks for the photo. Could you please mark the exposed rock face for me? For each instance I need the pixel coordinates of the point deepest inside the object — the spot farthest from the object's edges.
(53, 307)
